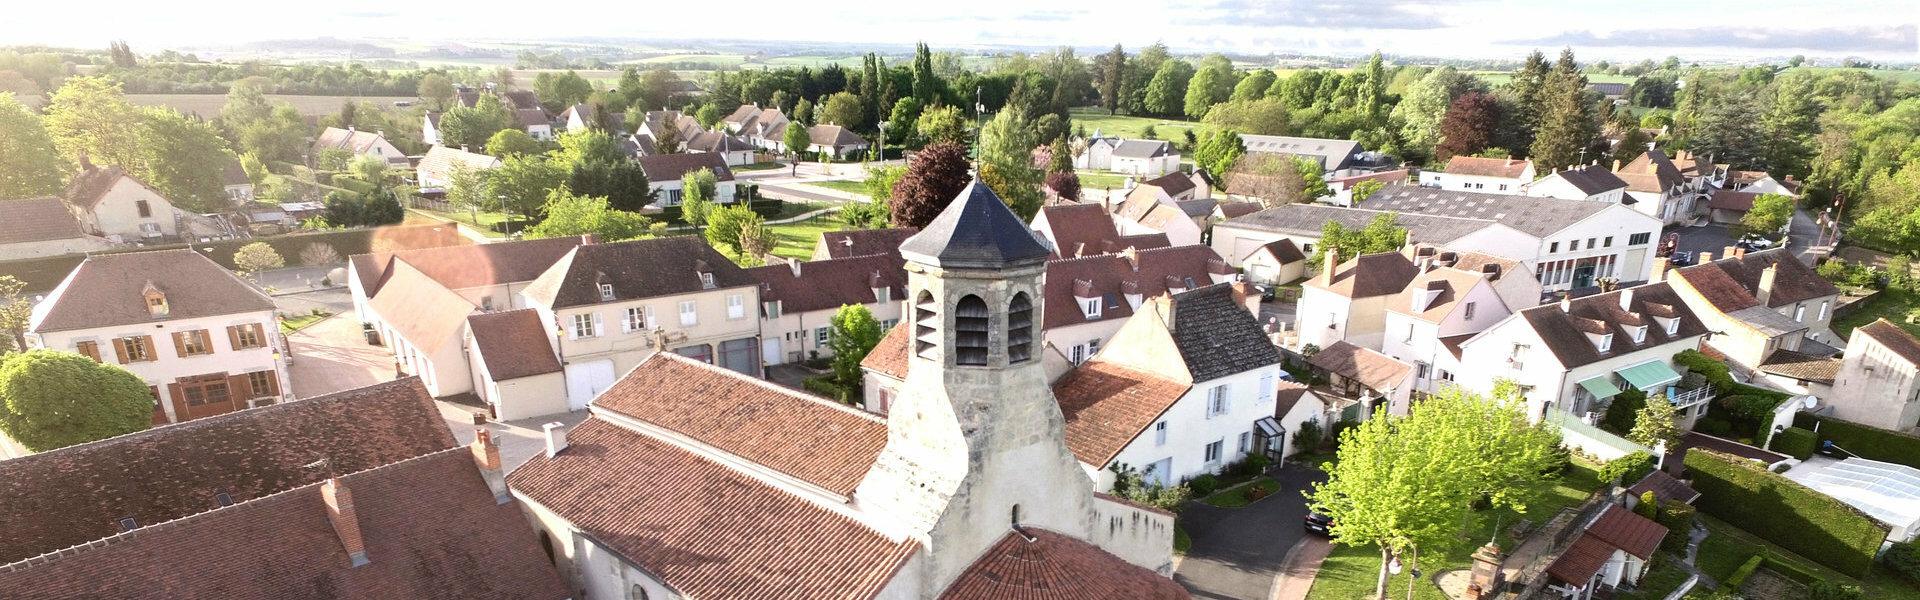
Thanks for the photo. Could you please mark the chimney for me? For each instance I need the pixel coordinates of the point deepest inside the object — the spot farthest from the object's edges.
(87, 165)
(1626, 299)
(1566, 303)
(346, 523)
(1333, 261)
(1727, 251)
(1703, 258)
(1616, 165)
(1764, 291)
(1133, 258)
(1659, 270)
(1491, 271)
(556, 438)
(486, 456)
(1739, 252)
(1244, 294)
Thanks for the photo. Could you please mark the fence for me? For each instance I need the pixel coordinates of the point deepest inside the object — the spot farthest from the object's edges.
(1599, 443)
(1562, 530)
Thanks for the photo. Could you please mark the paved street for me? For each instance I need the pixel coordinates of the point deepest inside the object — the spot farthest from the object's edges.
(1237, 552)
(1801, 233)
(794, 194)
(335, 300)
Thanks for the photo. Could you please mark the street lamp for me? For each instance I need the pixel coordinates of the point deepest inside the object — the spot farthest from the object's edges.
(880, 151)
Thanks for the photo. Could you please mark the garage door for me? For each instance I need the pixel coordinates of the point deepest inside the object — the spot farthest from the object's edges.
(587, 380)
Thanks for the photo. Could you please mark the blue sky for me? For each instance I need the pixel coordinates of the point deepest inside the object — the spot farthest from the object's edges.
(1617, 30)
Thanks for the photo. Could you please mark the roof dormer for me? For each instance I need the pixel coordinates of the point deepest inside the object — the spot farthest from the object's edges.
(1131, 291)
(156, 301)
(1425, 298)
(1087, 298)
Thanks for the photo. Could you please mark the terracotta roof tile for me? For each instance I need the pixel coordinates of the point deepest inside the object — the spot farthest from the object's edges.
(1651, 172)
(1581, 561)
(1487, 167)
(36, 220)
(57, 499)
(671, 167)
(1627, 531)
(811, 439)
(108, 290)
(1561, 330)
(1732, 200)
(830, 284)
(1804, 367)
(1287, 394)
(1051, 566)
(1664, 487)
(1108, 273)
(1368, 275)
(513, 344)
(637, 269)
(889, 357)
(1078, 229)
(468, 266)
(701, 527)
(1108, 405)
(1894, 338)
(430, 525)
(1372, 369)
(422, 312)
(861, 242)
(1174, 183)
(1793, 282)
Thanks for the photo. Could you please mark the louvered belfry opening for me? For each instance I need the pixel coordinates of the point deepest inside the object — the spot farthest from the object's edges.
(926, 326)
(970, 331)
(1019, 328)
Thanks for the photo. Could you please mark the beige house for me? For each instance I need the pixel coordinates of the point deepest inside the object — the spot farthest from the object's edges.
(799, 299)
(437, 167)
(360, 143)
(1348, 301)
(1760, 304)
(112, 204)
(422, 324)
(1876, 383)
(38, 227)
(1280, 262)
(490, 276)
(610, 306)
(514, 368)
(1076, 230)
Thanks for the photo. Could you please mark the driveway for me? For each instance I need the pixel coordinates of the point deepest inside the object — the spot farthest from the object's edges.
(1237, 552)
(1707, 238)
(794, 194)
(332, 355)
(1803, 234)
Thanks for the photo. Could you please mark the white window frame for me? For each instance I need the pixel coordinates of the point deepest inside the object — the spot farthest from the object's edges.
(1673, 326)
(1090, 306)
(1246, 442)
(689, 313)
(1218, 402)
(1823, 311)
(706, 281)
(1640, 334)
(1799, 313)
(736, 306)
(585, 325)
(1077, 354)
(1160, 433)
(1211, 454)
(1468, 311)
(606, 292)
(1606, 343)
(821, 335)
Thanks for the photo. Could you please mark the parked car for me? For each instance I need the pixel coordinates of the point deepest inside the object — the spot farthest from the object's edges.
(403, 103)
(1680, 259)
(1754, 241)
(1319, 523)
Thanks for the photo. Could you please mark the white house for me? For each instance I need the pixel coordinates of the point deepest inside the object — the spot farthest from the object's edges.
(112, 204)
(1592, 183)
(360, 143)
(1572, 356)
(1150, 210)
(1145, 158)
(1348, 300)
(1441, 308)
(580, 117)
(437, 167)
(424, 325)
(430, 128)
(1294, 407)
(1277, 263)
(799, 299)
(535, 121)
(1570, 243)
(204, 341)
(1236, 238)
(1673, 190)
(665, 170)
(1876, 385)
(489, 276)
(1476, 174)
(1093, 295)
(1177, 392)
(835, 140)
(736, 151)
(238, 185)
(1759, 182)
(1098, 155)
(37, 227)
(1614, 551)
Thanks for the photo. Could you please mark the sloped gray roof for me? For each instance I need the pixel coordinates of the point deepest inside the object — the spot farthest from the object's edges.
(1310, 219)
(1143, 149)
(1332, 154)
(1537, 216)
(977, 231)
(1218, 336)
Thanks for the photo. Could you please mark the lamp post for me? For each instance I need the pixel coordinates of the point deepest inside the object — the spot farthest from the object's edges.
(880, 150)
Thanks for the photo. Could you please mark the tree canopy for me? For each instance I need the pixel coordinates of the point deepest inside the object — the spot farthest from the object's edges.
(1382, 234)
(29, 165)
(933, 180)
(51, 400)
(571, 215)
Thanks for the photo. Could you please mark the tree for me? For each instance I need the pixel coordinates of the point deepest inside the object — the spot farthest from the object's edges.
(1426, 104)
(656, 89)
(318, 254)
(842, 109)
(255, 169)
(1405, 482)
(29, 165)
(437, 91)
(803, 112)
(1469, 127)
(1254, 86)
(933, 180)
(521, 183)
(369, 168)
(942, 124)
(1219, 151)
(1656, 426)
(1365, 189)
(1382, 234)
(1528, 89)
(1065, 184)
(622, 182)
(253, 258)
(281, 136)
(1006, 162)
(121, 55)
(184, 159)
(467, 188)
(1789, 125)
(855, 332)
(1166, 94)
(1370, 99)
(573, 215)
(797, 139)
(926, 85)
(1731, 131)
(1276, 179)
(1567, 123)
(708, 115)
(697, 193)
(1770, 214)
(1110, 75)
(738, 229)
(51, 400)
(1201, 91)
(474, 127)
(90, 116)
(372, 209)
(15, 312)
(512, 142)
(1263, 116)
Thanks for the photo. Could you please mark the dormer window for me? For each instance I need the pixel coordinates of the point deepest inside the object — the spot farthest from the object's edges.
(1670, 324)
(606, 292)
(706, 280)
(156, 301)
(1601, 341)
(1640, 334)
(1090, 306)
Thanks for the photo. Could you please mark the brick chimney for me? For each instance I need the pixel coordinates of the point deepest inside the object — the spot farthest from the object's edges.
(1133, 258)
(1616, 165)
(556, 438)
(1659, 270)
(1739, 252)
(346, 522)
(1333, 261)
(1703, 258)
(87, 164)
(1626, 299)
(486, 456)
(1727, 251)
(1245, 295)
(1764, 291)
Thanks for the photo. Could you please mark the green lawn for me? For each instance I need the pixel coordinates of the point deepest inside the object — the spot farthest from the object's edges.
(797, 239)
(795, 209)
(1727, 547)
(302, 321)
(482, 225)
(1236, 497)
(1894, 304)
(1129, 126)
(1350, 571)
(759, 166)
(845, 185)
(1659, 581)
(1090, 180)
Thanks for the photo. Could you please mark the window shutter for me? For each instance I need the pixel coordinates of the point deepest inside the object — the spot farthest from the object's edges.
(242, 390)
(273, 384)
(573, 328)
(597, 331)
(233, 337)
(120, 350)
(179, 402)
(180, 344)
(146, 341)
(206, 339)
(90, 349)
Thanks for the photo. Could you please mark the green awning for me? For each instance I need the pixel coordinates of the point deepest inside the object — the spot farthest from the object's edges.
(1600, 388)
(1649, 376)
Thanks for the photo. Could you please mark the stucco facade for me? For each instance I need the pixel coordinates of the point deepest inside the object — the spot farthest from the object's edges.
(173, 357)
(129, 212)
(599, 342)
(1176, 445)
(794, 337)
(1876, 384)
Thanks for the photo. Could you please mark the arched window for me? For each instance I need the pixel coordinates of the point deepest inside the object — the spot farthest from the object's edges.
(926, 326)
(637, 593)
(1016, 515)
(970, 331)
(1019, 328)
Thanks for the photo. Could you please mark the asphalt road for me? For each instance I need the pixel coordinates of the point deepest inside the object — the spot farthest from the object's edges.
(1801, 234)
(796, 195)
(1237, 552)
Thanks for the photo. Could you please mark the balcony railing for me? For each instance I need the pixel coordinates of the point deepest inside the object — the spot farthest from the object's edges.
(1688, 398)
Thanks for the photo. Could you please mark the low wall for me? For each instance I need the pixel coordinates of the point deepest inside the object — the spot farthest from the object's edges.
(1594, 441)
(1140, 535)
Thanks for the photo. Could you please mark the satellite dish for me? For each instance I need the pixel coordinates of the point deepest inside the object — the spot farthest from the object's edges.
(1810, 402)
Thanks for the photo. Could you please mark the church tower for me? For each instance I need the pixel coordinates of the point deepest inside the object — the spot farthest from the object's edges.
(976, 442)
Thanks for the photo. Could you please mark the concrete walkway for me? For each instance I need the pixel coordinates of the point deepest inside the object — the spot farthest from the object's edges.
(1300, 567)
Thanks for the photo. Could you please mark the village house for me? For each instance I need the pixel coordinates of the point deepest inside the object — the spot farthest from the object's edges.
(1760, 182)
(238, 185)
(1075, 230)
(1571, 244)
(664, 172)
(1337, 158)
(1729, 206)
(799, 299)
(860, 242)
(834, 140)
(1348, 300)
(914, 505)
(514, 370)
(1236, 238)
(394, 504)
(1343, 187)
(1759, 304)
(1093, 296)
(1592, 183)
(610, 306)
(422, 323)
(1672, 190)
(1574, 355)
(1875, 385)
(1361, 381)
(766, 130)
(1295, 408)
(438, 166)
(736, 151)
(1439, 309)
(580, 117)
(489, 276)
(1613, 551)
(1476, 174)
(1280, 262)
(204, 341)
(535, 121)
(1144, 158)
(110, 203)
(360, 143)
(37, 227)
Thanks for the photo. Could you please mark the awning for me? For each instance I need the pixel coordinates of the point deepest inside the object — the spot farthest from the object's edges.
(1268, 427)
(1649, 375)
(1600, 388)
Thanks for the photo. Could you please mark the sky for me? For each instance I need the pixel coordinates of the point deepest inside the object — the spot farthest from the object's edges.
(1883, 30)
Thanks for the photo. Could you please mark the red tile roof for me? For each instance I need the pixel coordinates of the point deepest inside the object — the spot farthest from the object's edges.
(430, 524)
(889, 357)
(91, 184)
(108, 290)
(1285, 395)
(816, 441)
(1078, 229)
(1452, 284)
(1113, 276)
(1561, 329)
(636, 269)
(36, 220)
(1368, 275)
(830, 284)
(1732, 200)
(513, 344)
(861, 242)
(1052, 566)
(1664, 488)
(468, 266)
(74, 495)
(1107, 405)
(703, 528)
(419, 310)
(1369, 367)
(1627, 531)
(1486, 167)
(1581, 561)
(1727, 283)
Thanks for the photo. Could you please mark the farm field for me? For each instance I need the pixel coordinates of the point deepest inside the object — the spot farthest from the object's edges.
(208, 105)
(1130, 126)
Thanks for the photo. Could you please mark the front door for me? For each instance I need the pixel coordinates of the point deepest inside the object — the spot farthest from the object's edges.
(586, 380)
(1583, 276)
(1159, 473)
(770, 350)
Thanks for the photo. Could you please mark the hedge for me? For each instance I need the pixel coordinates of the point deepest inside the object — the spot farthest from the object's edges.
(766, 208)
(1746, 570)
(825, 386)
(41, 274)
(1795, 442)
(1866, 442)
(1797, 573)
(1744, 494)
(1904, 559)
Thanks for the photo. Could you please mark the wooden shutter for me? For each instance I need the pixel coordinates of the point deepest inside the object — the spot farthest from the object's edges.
(179, 402)
(159, 412)
(90, 349)
(120, 349)
(180, 344)
(239, 388)
(147, 343)
(206, 339)
(273, 384)
(233, 337)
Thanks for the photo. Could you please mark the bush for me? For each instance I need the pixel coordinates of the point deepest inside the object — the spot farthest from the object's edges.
(1795, 442)
(1254, 464)
(825, 385)
(1746, 570)
(1204, 484)
(1341, 427)
(1867, 442)
(1712, 425)
(1648, 506)
(1623, 411)
(1789, 570)
(1904, 559)
(1827, 590)
(1309, 436)
(1255, 492)
(1716, 372)
(1678, 518)
(1628, 469)
(1776, 509)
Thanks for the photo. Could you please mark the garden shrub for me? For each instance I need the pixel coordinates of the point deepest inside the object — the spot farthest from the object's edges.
(1797, 573)
(1795, 442)
(1309, 437)
(1254, 464)
(1678, 518)
(1867, 442)
(1717, 372)
(1341, 428)
(1623, 411)
(1746, 570)
(1648, 506)
(1904, 559)
(1204, 485)
(1628, 469)
(825, 385)
(1827, 590)
(1744, 494)
(1714, 426)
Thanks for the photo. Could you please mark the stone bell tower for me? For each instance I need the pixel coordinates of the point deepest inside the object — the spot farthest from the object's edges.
(976, 441)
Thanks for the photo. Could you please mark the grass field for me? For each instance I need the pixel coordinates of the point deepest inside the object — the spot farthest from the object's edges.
(1893, 304)
(1350, 571)
(301, 321)
(844, 185)
(1727, 547)
(208, 105)
(1092, 180)
(1236, 496)
(796, 240)
(1129, 126)
(486, 219)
